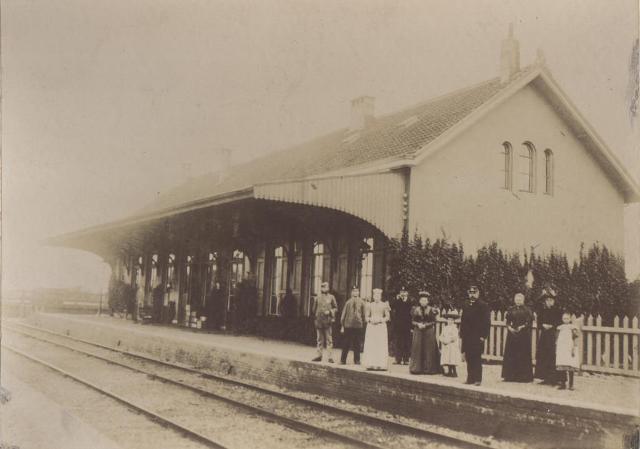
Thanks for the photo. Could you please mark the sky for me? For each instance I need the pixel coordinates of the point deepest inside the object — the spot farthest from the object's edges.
(107, 104)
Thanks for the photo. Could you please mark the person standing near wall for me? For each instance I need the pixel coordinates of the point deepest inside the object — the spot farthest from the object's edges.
(516, 364)
(376, 342)
(401, 327)
(474, 329)
(324, 311)
(352, 321)
(425, 356)
(549, 317)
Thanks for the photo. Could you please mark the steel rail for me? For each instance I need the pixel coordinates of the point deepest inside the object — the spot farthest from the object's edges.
(155, 417)
(392, 425)
(270, 416)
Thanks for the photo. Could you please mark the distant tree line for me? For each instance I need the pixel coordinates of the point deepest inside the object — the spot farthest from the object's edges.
(595, 283)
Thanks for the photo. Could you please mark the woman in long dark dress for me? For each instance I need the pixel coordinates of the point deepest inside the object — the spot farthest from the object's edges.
(516, 365)
(425, 356)
(548, 319)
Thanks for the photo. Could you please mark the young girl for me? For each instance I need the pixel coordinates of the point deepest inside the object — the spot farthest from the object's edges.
(567, 357)
(450, 352)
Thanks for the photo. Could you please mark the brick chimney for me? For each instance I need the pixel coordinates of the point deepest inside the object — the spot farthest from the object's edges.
(362, 112)
(509, 57)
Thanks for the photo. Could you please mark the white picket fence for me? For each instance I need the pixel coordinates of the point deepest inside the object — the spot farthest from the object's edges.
(604, 349)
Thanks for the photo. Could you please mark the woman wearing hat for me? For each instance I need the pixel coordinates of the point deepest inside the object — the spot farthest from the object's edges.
(425, 356)
(548, 319)
(376, 340)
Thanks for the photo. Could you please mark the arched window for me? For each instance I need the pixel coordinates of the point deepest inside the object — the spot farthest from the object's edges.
(239, 268)
(155, 271)
(366, 270)
(318, 267)
(527, 168)
(548, 172)
(278, 280)
(138, 272)
(171, 270)
(210, 275)
(507, 169)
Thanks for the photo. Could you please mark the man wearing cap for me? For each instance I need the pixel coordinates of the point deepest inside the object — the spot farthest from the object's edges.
(474, 329)
(401, 327)
(353, 319)
(324, 311)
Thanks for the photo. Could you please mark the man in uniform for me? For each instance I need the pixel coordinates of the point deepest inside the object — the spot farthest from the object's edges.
(324, 312)
(401, 327)
(353, 320)
(474, 329)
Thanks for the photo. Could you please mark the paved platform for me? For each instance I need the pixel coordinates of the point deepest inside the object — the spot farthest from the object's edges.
(597, 391)
(599, 404)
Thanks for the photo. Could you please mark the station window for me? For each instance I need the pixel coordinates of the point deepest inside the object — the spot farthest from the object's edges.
(507, 169)
(548, 172)
(155, 271)
(212, 270)
(171, 270)
(278, 280)
(366, 270)
(239, 268)
(138, 272)
(296, 276)
(527, 168)
(318, 267)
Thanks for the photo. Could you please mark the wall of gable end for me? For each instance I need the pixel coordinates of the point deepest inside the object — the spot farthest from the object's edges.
(459, 190)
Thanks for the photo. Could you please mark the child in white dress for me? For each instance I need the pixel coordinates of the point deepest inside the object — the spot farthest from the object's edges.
(450, 341)
(567, 357)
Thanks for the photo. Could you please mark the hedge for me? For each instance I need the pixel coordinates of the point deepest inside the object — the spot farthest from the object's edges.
(595, 283)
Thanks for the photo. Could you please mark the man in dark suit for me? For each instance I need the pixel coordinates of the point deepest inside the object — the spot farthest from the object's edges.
(474, 329)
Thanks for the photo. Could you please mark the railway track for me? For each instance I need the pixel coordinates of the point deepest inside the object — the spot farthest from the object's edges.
(344, 427)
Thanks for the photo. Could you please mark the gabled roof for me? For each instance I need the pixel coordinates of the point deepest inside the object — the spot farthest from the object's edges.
(391, 137)
(404, 138)
(540, 77)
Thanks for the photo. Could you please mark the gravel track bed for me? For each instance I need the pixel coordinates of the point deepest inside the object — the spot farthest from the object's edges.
(128, 429)
(230, 426)
(312, 414)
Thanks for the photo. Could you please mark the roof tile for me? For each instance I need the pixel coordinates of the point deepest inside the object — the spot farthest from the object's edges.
(384, 138)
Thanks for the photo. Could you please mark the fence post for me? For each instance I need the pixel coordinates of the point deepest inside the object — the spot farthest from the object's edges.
(589, 337)
(616, 344)
(598, 361)
(499, 334)
(492, 333)
(634, 361)
(625, 344)
(606, 354)
(580, 324)
(534, 336)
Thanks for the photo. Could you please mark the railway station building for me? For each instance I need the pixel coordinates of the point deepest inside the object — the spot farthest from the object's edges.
(509, 160)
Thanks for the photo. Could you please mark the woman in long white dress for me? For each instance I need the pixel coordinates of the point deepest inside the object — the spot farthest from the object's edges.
(376, 341)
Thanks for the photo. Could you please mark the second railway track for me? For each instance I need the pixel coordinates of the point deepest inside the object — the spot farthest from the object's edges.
(346, 428)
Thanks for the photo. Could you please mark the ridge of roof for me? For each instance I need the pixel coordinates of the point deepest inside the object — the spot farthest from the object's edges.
(380, 140)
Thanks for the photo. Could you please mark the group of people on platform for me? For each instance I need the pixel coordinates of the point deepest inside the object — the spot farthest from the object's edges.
(416, 343)
(557, 350)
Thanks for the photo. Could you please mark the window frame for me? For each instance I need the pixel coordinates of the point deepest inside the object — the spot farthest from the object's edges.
(549, 172)
(317, 266)
(278, 282)
(530, 174)
(507, 169)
